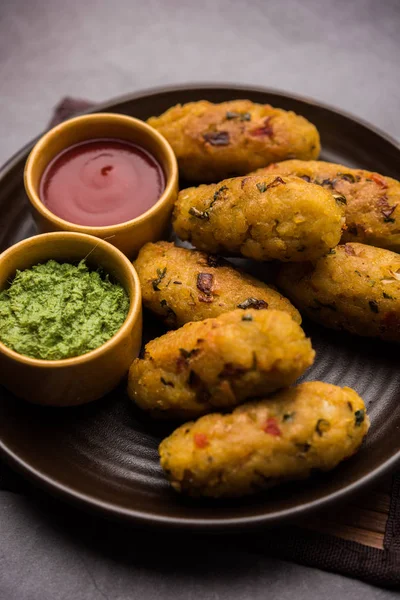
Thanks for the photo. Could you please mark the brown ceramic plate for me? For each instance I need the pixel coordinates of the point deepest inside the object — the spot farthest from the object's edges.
(104, 456)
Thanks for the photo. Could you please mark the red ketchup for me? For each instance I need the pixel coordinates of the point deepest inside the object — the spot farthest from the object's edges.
(101, 182)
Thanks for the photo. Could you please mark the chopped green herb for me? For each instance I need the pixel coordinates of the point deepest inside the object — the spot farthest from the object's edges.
(288, 417)
(347, 177)
(165, 382)
(322, 426)
(205, 214)
(199, 214)
(217, 195)
(247, 318)
(358, 273)
(385, 295)
(253, 303)
(373, 306)
(359, 416)
(340, 199)
(161, 274)
(371, 283)
(327, 183)
(177, 282)
(235, 115)
(232, 115)
(262, 187)
(332, 251)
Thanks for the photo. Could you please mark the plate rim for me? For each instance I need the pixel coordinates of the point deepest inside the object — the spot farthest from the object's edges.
(138, 517)
(154, 91)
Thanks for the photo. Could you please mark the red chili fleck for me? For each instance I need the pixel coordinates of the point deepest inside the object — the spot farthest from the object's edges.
(266, 129)
(205, 283)
(349, 250)
(204, 298)
(382, 202)
(201, 440)
(387, 213)
(379, 180)
(271, 427)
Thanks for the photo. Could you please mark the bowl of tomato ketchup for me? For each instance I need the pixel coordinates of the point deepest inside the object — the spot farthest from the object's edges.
(104, 174)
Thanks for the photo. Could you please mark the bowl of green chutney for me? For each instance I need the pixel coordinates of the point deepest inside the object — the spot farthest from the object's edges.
(70, 318)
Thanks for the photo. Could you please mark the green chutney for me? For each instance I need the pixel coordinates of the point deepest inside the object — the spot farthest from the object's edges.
(59, 310)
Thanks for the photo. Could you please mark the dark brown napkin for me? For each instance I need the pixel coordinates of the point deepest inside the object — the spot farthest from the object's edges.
(347, 548)
(69, 107)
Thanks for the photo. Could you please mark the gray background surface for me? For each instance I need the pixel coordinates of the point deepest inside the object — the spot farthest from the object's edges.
(345, 53)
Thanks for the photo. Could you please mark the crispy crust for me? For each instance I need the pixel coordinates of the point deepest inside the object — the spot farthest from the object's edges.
(263, 217)
(372, 209)
(214, 141)
(181, 285)
(219, 363)
(356, 288)
(314, 425)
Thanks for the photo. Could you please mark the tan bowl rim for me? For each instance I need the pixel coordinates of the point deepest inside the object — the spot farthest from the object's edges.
(135, 303)
(171, 181)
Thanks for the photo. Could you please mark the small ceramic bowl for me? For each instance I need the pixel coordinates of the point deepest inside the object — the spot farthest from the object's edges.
(84, 378)
(130, 235)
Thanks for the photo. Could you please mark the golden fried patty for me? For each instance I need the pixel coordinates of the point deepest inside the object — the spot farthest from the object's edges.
(214, 141)
(260, 216)
(372, 201)
(314, 425)
(356, 287)
(219, 362)
(183, 285)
